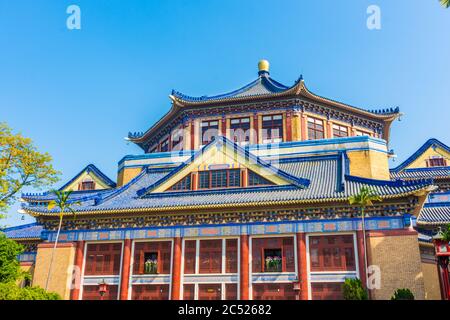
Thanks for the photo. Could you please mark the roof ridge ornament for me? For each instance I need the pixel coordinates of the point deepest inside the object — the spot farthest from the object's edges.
(263, 67)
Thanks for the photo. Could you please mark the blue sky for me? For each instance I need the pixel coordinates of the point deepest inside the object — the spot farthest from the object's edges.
(77, 93)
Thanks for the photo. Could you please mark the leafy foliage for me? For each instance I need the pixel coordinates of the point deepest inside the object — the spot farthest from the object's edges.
(445, 3)
(21, 165)
(353, 290)
(365, 197)
(9, 266)
(446, 231)
(11, 291)
(403, 294)
(11, 274)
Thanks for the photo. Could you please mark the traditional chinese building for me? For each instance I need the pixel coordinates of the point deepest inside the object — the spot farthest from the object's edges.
(243, 195)
(432, 160)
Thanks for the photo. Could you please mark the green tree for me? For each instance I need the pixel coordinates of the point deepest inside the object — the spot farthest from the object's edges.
(11, 274)
(9, 266)
(353, 290)
(64, 205)
(446, 231)
(445, 3)
(21, 165)
(363, 199)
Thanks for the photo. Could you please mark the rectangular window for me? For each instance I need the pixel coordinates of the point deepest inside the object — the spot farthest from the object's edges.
(256, 180)
(190, 248)
(87, 185)
(215, 179)
(362, 133)
(315, 129)
(91, 293)
(103, 259)
(177, 139)
(240, 130)
(188, 291)
(183, 184)
(273, 291)
(210, 291)
(437, 162)
(332, 253)
(210, 257)
(152, 257)
(327, 291)
(150, 292)
(231, 255)
(272, 128)
(209, 129)
(164, 147)
(231, 291)
(264, 248)
(340, 131)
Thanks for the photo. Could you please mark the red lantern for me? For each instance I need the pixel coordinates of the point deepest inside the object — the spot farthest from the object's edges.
(102, 288)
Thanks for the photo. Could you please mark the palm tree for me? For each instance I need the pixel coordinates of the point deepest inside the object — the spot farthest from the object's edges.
(364, 198)
(64, 205)
(445, 3)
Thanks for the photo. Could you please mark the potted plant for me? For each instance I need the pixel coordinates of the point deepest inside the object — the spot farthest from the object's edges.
(403, 294)
(151, 266)
(354, 290)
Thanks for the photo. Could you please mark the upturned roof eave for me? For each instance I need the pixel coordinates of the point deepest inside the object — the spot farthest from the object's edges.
(35, 213)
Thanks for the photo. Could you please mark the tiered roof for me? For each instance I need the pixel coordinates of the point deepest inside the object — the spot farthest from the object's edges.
(310, 180)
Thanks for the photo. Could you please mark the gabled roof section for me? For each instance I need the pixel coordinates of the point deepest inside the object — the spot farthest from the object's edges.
(431, 143)
(91, 169)
(226, 149)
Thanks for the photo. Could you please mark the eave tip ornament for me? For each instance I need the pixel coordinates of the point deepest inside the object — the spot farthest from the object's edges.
(263, 67)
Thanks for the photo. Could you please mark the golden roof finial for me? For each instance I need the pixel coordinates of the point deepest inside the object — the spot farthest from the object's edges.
(263, 66)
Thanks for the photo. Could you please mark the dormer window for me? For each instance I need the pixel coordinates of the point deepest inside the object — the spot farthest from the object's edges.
(183, 184)
(86, 184)
(256, 180)
(436, 162)
(214, 179)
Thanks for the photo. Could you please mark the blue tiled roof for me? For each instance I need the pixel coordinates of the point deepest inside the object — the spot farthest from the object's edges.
(420, 173)
(435, 214)
(264, 84)
(26, 231)
(430, 143)
(328, 176)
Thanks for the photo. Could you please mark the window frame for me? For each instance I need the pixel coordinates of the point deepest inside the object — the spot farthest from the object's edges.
(339, 129)
(267, 136)
(239, 126)
(314, 121)
(208, 127)
(210, 180)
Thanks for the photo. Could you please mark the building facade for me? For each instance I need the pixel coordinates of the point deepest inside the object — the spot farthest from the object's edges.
(243, 195)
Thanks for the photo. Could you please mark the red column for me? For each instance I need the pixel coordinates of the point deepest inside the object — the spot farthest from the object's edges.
(79, 256)
(360, 244)
(192, 135)
(224, 127)
(288, 126)
(256, 128)
(125, 277)
(244, 268)
(176, 269)
(301, 266)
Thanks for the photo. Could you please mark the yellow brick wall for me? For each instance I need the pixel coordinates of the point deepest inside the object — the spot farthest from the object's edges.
(61, 276)
(125, 175)
(398, 258)
(369, 164)
(431, 281)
